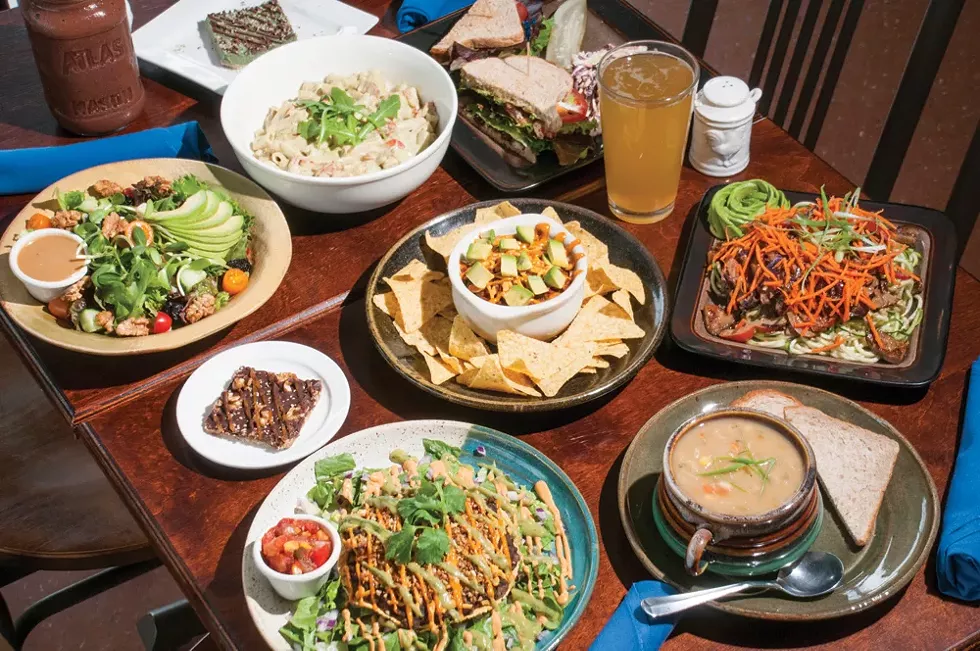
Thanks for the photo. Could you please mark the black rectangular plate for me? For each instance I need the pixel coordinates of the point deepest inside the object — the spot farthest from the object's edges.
(929, 342)
(610, 21)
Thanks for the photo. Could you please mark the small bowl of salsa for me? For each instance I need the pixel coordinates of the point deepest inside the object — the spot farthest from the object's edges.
(48, 261)
(297, 554)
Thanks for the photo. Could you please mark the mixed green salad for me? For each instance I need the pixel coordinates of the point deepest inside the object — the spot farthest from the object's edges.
(160, 254)
(437, 554)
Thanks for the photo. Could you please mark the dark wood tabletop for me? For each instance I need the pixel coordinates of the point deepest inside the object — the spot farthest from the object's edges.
(197, 515)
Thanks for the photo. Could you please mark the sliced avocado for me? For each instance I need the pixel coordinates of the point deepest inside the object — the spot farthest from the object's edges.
(525, 234)
(222, 231)
(199, 216)
(537, 285)
(554, 278)
(488, 235)
(508, 265)
(523, 261)
(218, 216)
(478, 276)
(557, 254)
(509, 244)
(517, 296)
(213, 242)
(193, 206)
(478, 251)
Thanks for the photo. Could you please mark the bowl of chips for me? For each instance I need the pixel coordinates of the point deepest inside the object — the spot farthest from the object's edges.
(421, 332)
(525, 274)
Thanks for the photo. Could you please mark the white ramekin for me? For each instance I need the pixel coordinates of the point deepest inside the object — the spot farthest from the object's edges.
(276, 77)
(541, 320)
(44, 291)
(299, 586)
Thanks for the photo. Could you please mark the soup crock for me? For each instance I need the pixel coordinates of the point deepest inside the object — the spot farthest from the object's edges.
(768, 533)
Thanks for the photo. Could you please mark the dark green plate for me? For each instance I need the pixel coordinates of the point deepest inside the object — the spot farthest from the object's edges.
(904, 533)
(624, 251)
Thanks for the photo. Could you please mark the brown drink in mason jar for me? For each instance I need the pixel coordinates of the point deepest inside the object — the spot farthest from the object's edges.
(84, 54)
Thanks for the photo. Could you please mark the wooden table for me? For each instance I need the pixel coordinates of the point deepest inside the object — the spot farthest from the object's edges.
(197, 515)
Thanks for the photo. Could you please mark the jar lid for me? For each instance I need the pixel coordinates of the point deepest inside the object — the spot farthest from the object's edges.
(727, 99)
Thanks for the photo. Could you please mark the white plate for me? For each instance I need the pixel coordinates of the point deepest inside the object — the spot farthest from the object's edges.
(206, 383)
(176, 40)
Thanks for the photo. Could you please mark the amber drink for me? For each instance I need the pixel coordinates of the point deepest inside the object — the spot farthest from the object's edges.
(646, 94)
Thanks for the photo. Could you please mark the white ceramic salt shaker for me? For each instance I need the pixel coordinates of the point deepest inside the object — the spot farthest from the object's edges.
(723, 112)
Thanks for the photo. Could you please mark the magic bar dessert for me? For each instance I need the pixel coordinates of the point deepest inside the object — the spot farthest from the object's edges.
(241, 35)
(263, 407)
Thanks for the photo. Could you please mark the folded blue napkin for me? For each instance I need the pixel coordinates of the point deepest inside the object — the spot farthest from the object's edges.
(958, 555)
(415, 13)
(629, 629)
(32, 170)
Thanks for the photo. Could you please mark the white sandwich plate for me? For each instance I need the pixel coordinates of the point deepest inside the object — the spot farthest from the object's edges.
(205, 385)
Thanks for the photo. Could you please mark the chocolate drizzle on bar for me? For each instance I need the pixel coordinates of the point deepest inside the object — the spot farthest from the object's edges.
(240, 35)
(263, 407)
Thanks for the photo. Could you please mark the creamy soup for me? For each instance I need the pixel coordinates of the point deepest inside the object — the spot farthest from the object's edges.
(737, 466)
(50, 258)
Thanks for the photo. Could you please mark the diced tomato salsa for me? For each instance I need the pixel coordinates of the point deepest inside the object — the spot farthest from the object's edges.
(296, 546)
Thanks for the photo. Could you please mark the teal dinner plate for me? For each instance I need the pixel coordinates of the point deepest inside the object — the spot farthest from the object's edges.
(370, 447)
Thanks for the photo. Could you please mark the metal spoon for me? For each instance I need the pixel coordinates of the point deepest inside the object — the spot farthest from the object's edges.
(815, 574)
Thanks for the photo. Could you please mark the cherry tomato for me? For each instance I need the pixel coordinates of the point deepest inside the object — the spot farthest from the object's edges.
(741, 333)
(573, 108)
(521, 10)
(234, 281)
(143, 226)
(59, 309)
(320, 555)
(162, 323)
(38, 221)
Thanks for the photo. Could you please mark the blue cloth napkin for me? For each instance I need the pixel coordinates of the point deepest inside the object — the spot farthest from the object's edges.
(958, 555)
(415, 13)
(32, 170)
(629, 629)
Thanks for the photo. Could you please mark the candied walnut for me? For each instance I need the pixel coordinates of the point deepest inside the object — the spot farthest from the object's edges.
(105, 320)
(199, 307)
(67, 219)
(106, 188)
(151, 187)
(75, 292)
(113, 225)
(139, 327)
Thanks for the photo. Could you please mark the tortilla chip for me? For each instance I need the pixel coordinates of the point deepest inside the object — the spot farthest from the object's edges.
(628, 280)
(387, 303)
(419, 299)
(597, 281)
(599, 320)
(435, 332)
(438, 372)
(507, 209)
(493, 213)
(622, 299)
(448, 312)
(588, 371)
(416, 340)
(550, 212)
(464, 343)
(612, 349)
(521, 354)
(595, 249)
(444, 244)
(491, 377)
(598, 362)
(521, 383)
(570, 362)
(453, 364)
(466, 377)
(416, 270)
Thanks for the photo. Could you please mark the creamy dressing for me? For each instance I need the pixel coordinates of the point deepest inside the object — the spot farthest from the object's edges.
(562, 548)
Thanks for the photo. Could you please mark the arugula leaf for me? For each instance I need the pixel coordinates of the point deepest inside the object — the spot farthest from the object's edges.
(399, 545)
(432, 546)
(438, 449)
(387, 109)
(185, 186)
(321, 494)
(332, 466)
(309, 130)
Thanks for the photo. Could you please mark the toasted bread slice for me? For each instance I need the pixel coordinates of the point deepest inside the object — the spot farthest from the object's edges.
(854, 466)
(767, 400)
(532, 84)
(488, 24)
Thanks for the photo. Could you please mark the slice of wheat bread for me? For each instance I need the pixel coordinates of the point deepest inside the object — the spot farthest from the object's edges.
(854, 466)
(488, 24)
(767, 400)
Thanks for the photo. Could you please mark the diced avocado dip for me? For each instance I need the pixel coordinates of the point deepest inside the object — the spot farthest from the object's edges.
(520, 268)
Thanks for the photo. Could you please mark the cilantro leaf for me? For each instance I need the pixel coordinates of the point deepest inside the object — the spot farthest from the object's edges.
(421, 509)
(432, 546)
(453, 499)
(399, 545)
(332, 466)
(438, 449)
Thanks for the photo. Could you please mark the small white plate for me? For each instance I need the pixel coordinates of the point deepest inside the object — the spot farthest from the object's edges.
(206, 383)
(177, 41)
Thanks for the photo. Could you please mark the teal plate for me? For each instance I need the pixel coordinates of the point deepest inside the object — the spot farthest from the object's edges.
(370, 447)
(904, 532)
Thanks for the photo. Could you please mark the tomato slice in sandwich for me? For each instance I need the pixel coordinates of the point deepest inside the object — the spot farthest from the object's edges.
(573, 108)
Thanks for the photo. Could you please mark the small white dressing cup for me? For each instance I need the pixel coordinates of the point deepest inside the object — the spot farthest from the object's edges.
(45, 291)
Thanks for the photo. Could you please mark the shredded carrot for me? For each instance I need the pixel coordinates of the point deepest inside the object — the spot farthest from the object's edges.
(823, 349)
(874, 330)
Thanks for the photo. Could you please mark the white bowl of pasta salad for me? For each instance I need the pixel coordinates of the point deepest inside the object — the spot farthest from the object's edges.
(340, 124)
